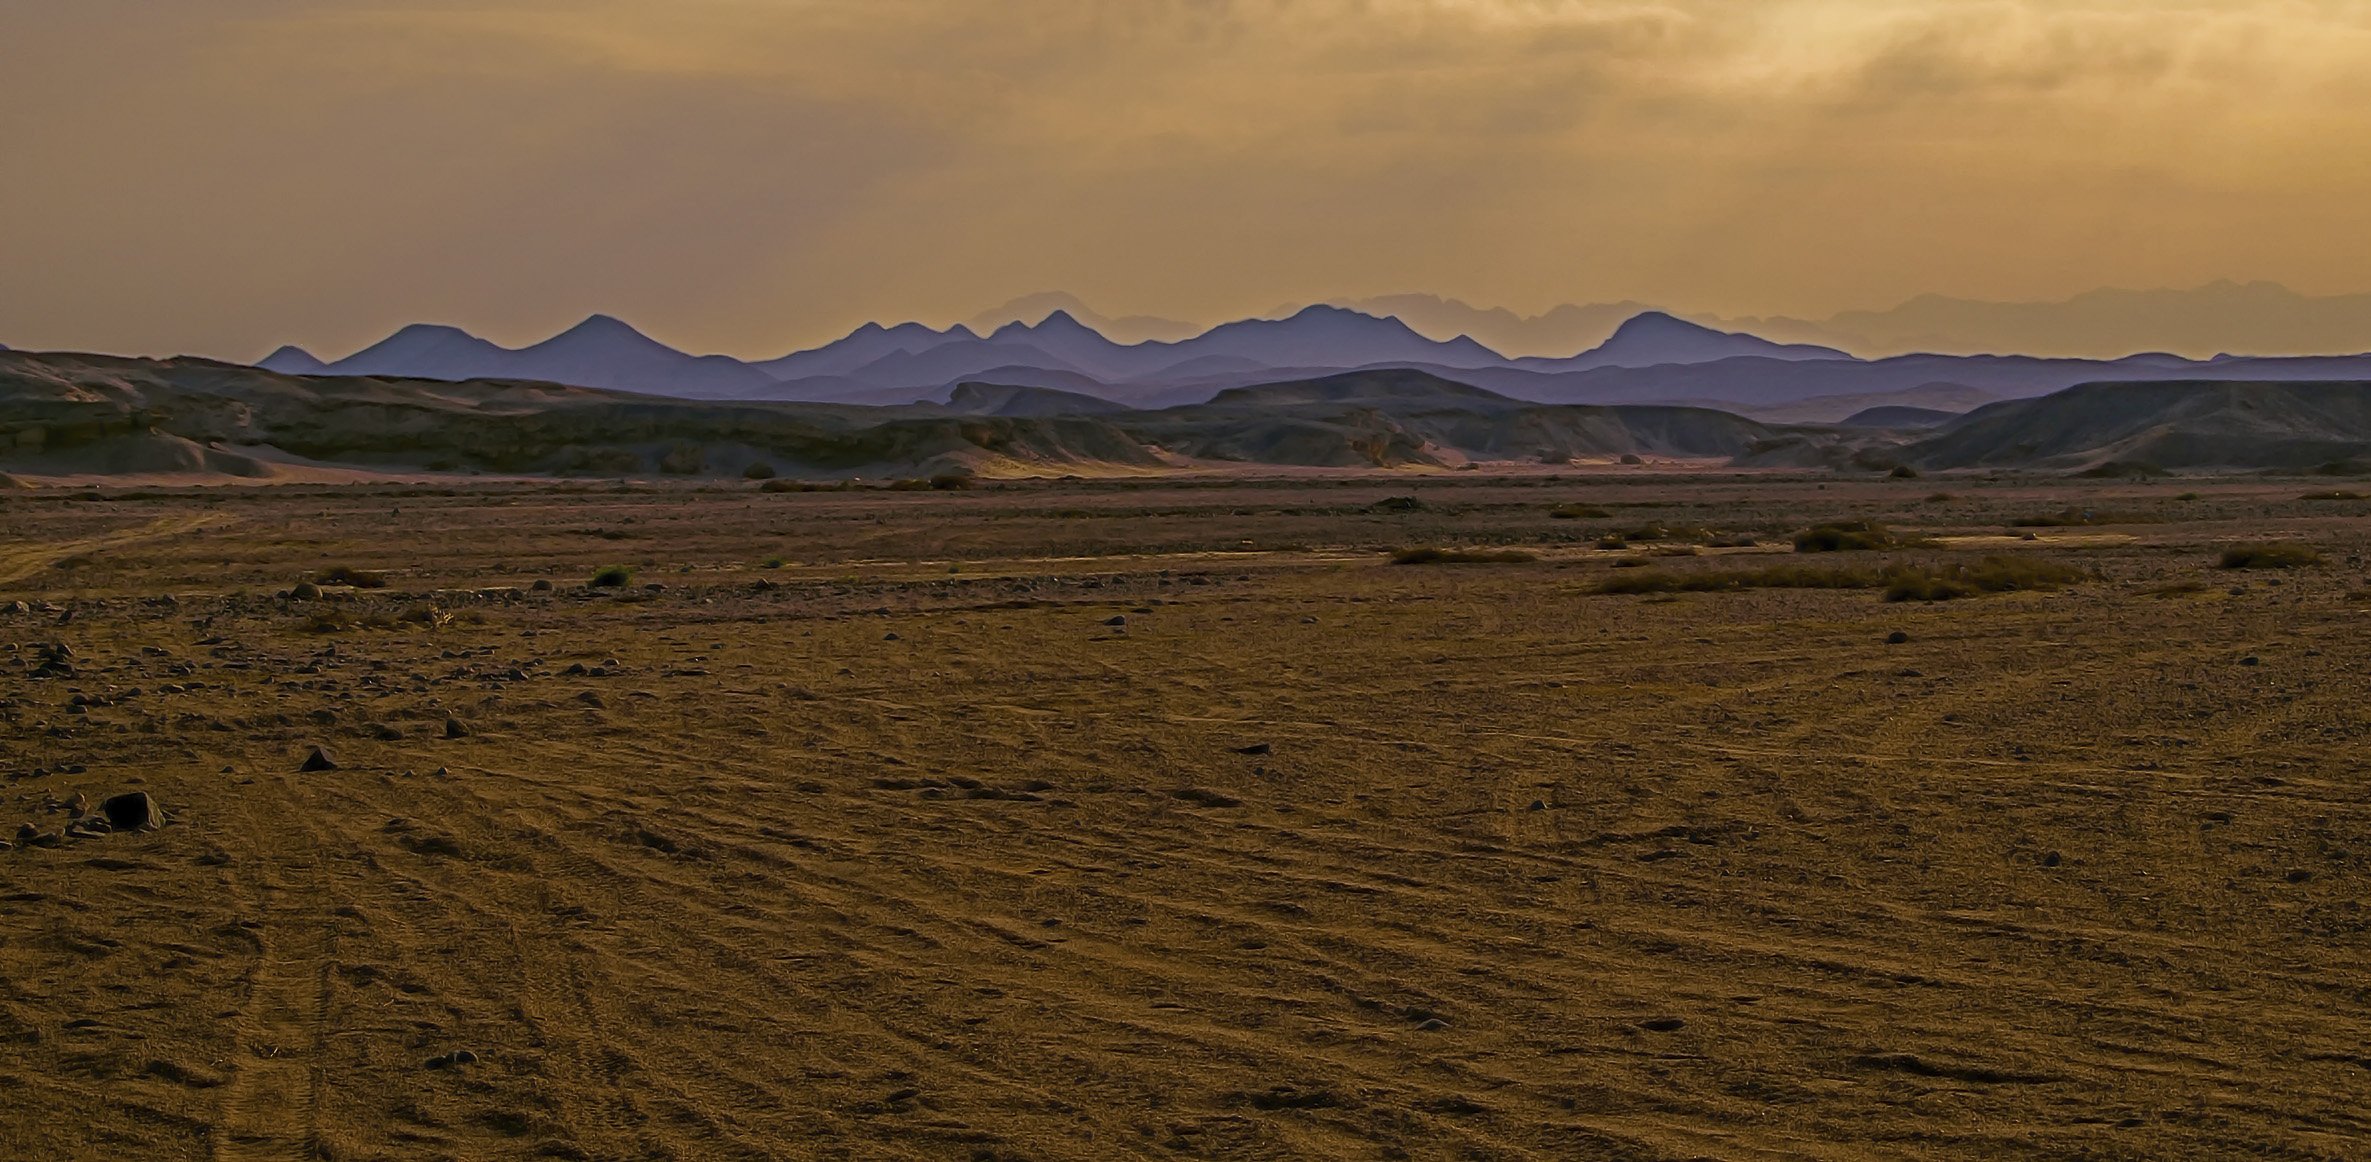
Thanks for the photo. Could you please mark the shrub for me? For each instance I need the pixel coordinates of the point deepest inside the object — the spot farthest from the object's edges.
(1578, 512)
(946, 481)
(346, 575)
(759, 470)
(2277, 555)
(1461, 557)
(1903, 472)
(1920, 582)
(1845, 536)
(613, 577)
(775, 562)
(1990, 575)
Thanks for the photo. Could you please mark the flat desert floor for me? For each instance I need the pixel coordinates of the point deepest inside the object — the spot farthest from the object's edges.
(1097, 820)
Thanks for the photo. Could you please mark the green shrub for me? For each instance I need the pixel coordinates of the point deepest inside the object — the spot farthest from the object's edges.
(2277, 555)
(1461, 557)
(613, 577)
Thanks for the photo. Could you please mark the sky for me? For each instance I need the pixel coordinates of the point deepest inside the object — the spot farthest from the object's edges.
(756, 176)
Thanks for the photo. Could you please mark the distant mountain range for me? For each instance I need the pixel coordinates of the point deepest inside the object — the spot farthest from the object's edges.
(1648, 358)
(65, 418)
(2254, 318)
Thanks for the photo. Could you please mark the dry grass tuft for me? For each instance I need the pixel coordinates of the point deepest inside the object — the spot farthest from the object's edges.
(2273, 555)
(1462, 557)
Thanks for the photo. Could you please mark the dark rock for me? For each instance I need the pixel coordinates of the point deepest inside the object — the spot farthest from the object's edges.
(1663, 1024)
(133, 811)
(542, 585)
(1120, 620)
(454, 728)
(1896, 638)
(318, 760)
(2052, 859)
(1255, 748)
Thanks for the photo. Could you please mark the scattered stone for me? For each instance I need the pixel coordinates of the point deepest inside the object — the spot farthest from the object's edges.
(318, 760)
(31, 836)
(442, 772)
(1896, 638)
(452, 1060)
(454, 728)
(133, 811)
(1120, 620)
(2052, 859)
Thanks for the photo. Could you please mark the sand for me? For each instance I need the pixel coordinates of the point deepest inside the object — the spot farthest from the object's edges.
(904, 849)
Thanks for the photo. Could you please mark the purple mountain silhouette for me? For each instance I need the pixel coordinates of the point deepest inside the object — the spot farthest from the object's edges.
(293, 360)
(1653, 339)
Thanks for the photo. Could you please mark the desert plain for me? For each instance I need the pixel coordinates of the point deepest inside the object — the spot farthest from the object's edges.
(1171, 817)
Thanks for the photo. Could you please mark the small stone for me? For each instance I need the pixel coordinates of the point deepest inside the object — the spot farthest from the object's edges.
(2251, 660)
(542, 585)
(1896, 638)
(1663, 1024)
(1255, 749)
(318, 760)
(2052, 859)
(454, 728)
(1539, 805)
(1118, 621)
(1431, 1025)
(305, 591)
(133, 811)
(889, 637)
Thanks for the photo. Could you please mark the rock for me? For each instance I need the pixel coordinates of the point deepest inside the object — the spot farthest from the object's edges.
(1539, 805)
(889, 637)
(2251, 660)
(1118, 621)
(454, 728)
(442, 772)
(319, 760)
(1432, 1025)
(133, 811)
(1255, 748)
(1663, 1024)
(542, 585)
(2052, 859)
(305, 591)
(1896, 638)
(31, 836)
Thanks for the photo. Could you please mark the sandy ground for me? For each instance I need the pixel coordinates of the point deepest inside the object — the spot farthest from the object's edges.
(903, 848)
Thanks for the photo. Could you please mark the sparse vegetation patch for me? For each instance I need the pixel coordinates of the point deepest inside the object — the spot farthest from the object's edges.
(1462, 557)
(2275, 555)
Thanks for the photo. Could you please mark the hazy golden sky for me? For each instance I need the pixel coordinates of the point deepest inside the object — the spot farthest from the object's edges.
(750, 176)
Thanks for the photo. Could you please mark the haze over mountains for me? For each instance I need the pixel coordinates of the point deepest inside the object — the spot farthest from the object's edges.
(1646, 357)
